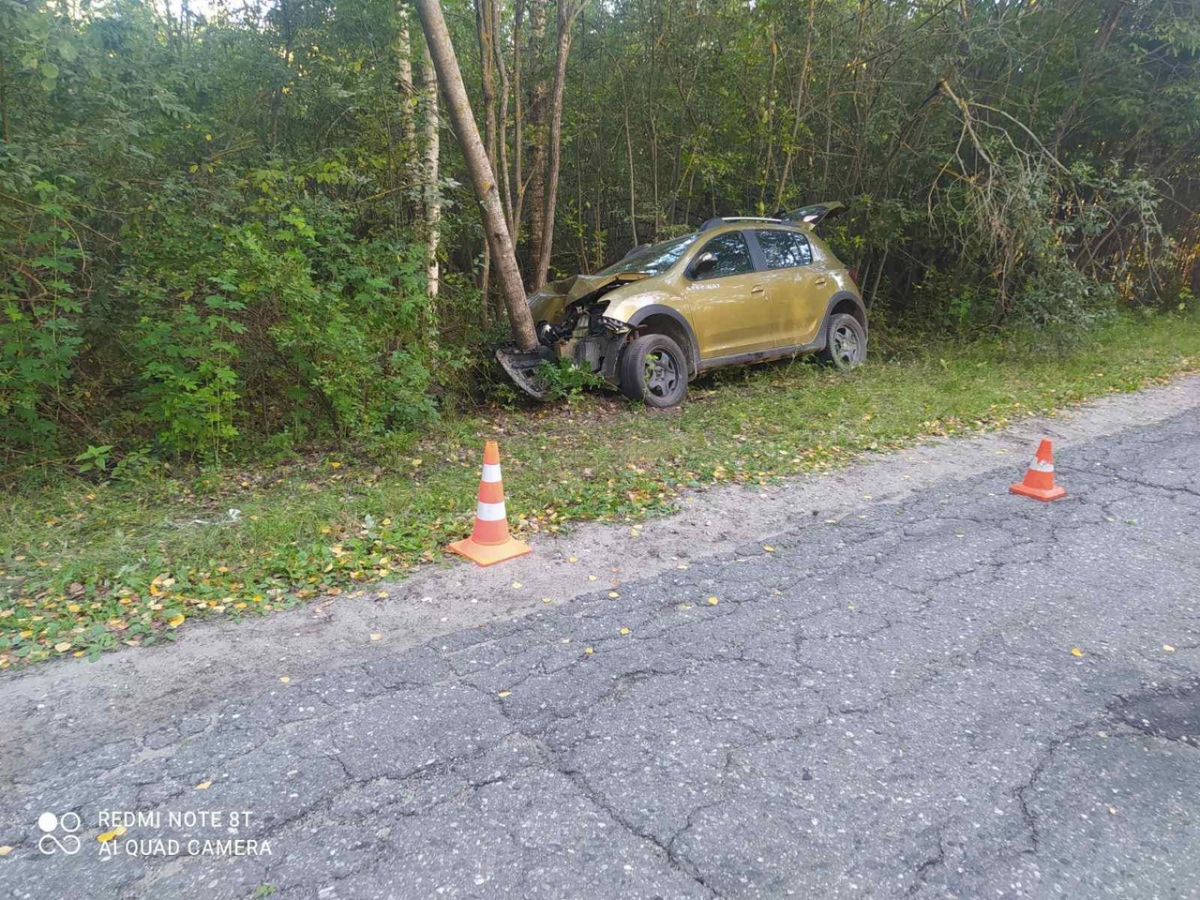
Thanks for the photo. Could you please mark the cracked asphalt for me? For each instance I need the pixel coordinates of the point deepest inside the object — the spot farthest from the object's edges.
(964, 694)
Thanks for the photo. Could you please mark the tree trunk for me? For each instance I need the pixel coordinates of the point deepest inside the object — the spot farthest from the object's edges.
(479, 168)
(568, 11)
(537, 129)
(404, 79)
(433, 199)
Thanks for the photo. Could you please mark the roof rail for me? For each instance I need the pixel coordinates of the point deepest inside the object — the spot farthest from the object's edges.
(721, 220)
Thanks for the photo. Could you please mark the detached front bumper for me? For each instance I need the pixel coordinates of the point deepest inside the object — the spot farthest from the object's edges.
(522, 368)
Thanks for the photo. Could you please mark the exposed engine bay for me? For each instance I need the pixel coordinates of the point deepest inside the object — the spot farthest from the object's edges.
(571, 327)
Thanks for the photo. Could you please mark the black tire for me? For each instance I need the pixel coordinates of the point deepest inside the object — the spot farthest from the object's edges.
(845, 342)
(654, 370)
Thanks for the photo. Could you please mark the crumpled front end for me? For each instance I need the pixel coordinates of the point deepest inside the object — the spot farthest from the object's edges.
(570, 324)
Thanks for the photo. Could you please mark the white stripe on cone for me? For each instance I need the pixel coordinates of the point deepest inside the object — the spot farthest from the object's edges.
(1038, 466)
(491, 472)
(490, 512)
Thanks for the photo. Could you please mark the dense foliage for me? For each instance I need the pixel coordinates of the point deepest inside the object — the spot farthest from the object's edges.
(213, 227)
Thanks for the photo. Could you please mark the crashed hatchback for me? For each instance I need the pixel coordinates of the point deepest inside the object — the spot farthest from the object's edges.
(739, 290)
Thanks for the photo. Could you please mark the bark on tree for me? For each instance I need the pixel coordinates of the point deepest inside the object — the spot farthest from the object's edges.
(568, 11)
(537, 128)
(404, 79)
(479, 168)
(432, 197)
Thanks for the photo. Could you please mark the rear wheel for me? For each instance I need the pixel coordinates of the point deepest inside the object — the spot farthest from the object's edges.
(845, 342)
(654, 370)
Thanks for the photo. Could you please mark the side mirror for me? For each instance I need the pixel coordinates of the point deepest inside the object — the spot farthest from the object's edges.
(705, 263)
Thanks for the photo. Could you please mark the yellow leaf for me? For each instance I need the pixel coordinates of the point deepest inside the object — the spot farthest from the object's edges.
(588, 650)
(566, 640)
(572, 559)
(376, 636)
(176, 621)
(768, 548)
(504, 694)
(613, 594)
(63, 647)
(625, 630)
(682, 566)
(1168, 648)
(109, 835)
(204, 785)
(547, 600)
(591, 578)
(4, 851)
(285, 679)
(713, 601)
(1075, 651)
(335, 465)
(516, 584)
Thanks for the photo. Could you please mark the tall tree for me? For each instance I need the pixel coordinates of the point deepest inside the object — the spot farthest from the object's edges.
(479, 168)
(568, 12)
(431, 190)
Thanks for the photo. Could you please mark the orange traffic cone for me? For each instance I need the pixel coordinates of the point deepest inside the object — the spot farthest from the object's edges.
(490, 541)
(1039, 480)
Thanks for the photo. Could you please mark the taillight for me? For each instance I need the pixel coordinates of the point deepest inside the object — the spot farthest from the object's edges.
(853, 275)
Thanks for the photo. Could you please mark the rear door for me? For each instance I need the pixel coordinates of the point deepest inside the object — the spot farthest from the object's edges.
(798, 287)
(728, 304)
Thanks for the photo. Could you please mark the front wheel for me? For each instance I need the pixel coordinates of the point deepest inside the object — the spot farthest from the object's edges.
(654, 370)
(845, 342)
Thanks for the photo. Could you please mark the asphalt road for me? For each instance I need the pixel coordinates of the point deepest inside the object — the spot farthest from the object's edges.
(968, 694)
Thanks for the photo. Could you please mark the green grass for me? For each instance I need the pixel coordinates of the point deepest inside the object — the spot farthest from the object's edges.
(85, 566)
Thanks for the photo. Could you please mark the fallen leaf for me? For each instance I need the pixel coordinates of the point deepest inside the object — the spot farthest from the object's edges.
(176, 621)
(591, 578)
(768, 548)
(110, 835)
(285, 679)
(682, 566)
(1168, 648)
(376, 636)
(63, 647)
(588, 650)
(547, 600)
(4, 851)
(566, 640)
(1112, 810)
(613, 594)
(204, 785)
(713, 601)
(625, 630)
(572, 559)
(504, 694)
(1075, 651)
(516, 584)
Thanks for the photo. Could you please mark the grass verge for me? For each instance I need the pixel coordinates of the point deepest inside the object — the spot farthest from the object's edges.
(86, 566)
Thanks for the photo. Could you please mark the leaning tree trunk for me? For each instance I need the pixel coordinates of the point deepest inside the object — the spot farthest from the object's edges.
(479, 168)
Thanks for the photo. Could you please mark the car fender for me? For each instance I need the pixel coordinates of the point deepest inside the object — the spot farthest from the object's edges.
(642, 313)
(823, 334)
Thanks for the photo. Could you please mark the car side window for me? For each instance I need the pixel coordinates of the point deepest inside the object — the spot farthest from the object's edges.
(732, 253)
(784, 249)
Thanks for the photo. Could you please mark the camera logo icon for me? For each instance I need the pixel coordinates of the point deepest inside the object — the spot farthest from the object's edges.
(59, 833)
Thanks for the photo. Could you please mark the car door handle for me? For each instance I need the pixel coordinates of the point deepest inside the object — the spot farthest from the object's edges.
(821, 279)
(757, 289)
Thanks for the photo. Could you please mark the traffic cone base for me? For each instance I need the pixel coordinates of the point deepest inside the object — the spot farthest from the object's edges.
(1039, 480)
(1047, 494)
(490, 542)
(490, 554)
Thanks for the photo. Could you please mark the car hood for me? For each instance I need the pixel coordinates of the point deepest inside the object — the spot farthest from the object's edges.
(550, 302)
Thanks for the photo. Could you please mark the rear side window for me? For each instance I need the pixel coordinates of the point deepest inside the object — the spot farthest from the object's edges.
(732, 253)
(784, 249)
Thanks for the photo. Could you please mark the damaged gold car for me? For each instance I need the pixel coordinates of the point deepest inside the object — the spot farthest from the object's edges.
(740, 290)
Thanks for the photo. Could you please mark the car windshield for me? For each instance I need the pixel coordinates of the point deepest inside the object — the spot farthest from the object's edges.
(652, 260)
